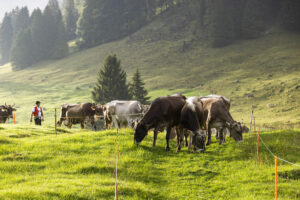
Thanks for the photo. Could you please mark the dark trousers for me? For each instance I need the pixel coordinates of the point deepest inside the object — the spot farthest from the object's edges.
(38, 121)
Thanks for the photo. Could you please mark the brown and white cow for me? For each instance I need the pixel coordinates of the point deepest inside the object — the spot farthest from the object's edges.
(217, 115)
(192, 118)
(163, 112)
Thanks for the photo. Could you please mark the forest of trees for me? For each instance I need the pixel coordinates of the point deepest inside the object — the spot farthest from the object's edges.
(45, 34)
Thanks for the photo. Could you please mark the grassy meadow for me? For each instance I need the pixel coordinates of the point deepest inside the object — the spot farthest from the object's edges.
(37, 164)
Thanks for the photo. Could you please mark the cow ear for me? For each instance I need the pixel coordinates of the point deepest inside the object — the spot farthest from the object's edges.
(93, 107)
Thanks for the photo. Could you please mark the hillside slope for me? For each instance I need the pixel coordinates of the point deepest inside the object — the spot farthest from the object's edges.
(172, 60)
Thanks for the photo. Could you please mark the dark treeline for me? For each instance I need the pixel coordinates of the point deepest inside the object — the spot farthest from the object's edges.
(44, 34)
(222, 22)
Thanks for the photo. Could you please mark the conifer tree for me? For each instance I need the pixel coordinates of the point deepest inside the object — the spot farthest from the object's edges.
(70, 18)
(22, 21)
(22, 51)
(111, 82)
(137, 89)
(6, 38)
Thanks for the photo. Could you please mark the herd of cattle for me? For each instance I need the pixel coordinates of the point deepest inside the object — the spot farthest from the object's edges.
(193, 118)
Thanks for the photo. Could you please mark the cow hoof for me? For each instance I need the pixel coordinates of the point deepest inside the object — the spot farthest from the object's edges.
(178, 150)
(167, 148)
(208, 143)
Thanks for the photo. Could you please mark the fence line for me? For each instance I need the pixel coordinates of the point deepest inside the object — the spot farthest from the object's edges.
(277, 156)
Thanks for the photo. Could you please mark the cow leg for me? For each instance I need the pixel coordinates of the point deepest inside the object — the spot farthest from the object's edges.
(217, 134)
(155, 132)
(224, 135)
(180, 136)
(221, 136)
(190, 142)
(186, 135)
(82, 125)
(116, 122)
(168, 138)
(194, 141)
(208, 135)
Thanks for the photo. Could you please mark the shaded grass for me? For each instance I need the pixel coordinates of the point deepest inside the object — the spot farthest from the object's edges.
(81, 166)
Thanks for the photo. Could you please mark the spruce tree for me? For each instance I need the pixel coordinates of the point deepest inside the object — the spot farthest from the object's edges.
(22, 21)
(56, 45)
(38, 29)
(137, 89)
(22, 51)
(111, 82)
(70, 18)
(6, 38)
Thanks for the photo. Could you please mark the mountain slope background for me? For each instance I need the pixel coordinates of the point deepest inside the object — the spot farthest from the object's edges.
(262, 72)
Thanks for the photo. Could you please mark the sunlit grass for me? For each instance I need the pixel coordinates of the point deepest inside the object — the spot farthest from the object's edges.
(37, 164)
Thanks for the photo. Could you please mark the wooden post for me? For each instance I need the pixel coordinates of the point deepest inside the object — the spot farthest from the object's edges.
(14, 118)
(55, 124)
(250, 126)
(257, 159)
(275, 177)
(254, 125)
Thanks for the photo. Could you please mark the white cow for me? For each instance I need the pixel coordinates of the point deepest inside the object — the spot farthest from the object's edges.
(123, 113)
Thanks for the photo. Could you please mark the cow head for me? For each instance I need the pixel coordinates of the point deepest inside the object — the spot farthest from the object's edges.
(236, 131)
(199, 138)
(140, 133)
(99, 110)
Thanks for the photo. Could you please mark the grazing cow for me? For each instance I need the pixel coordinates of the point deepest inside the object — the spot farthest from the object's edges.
(217, 115)
(6, 112)
(163, 112)
(122, 113)
(227, 103)
(64, 109)
(80, 113)
(192, 118)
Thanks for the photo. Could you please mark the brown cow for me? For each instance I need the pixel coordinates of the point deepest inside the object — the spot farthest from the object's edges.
(217, 115)
(6, 112)
(164, 111)
(227, 103)
(80, 113)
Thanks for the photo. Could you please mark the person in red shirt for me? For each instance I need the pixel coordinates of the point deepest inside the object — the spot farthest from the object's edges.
(37, 113)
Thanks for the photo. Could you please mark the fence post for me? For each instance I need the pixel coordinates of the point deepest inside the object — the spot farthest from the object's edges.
(14, 118)
(257, 159)
(275, 177)
(55, 124)
(250, 126)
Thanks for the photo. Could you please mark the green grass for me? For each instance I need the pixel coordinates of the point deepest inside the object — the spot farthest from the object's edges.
(37, 164)
(267, 67)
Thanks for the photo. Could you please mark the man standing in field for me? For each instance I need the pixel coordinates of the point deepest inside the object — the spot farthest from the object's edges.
(37, 113)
